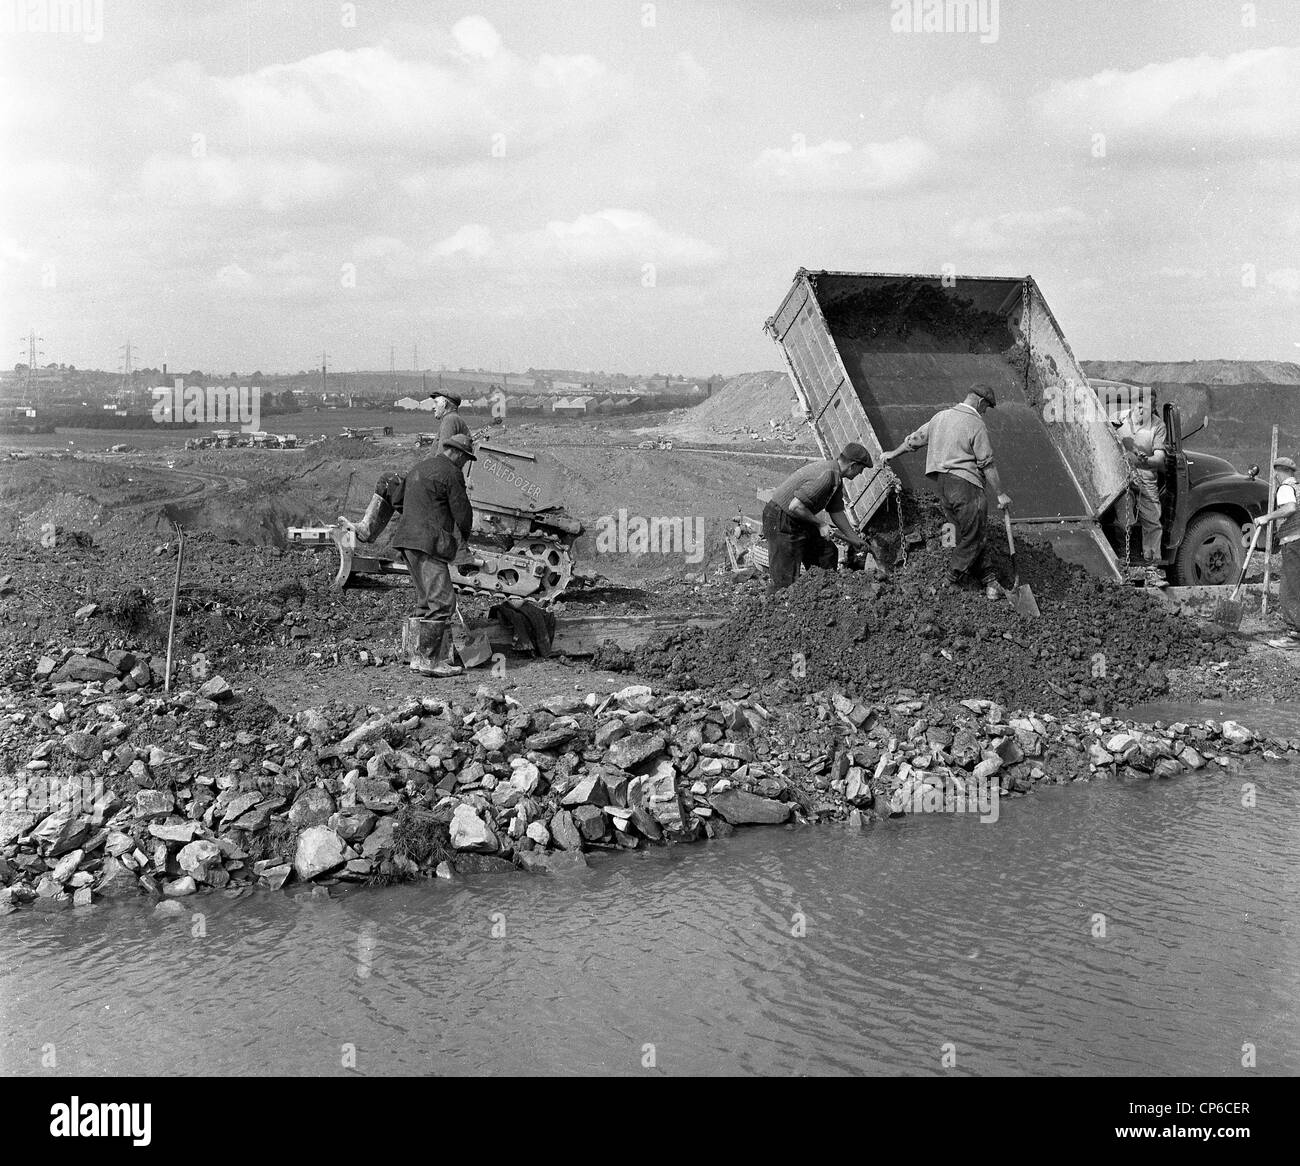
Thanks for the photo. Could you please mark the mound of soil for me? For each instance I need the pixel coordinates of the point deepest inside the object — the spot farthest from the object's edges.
(1094, 646)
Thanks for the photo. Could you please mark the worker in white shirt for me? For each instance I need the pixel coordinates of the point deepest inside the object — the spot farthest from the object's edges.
(1145, 440)
(1286, 512)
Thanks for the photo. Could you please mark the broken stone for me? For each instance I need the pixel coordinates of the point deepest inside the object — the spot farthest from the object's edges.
(313, 808)
(746, 809)
(565, 832)
(470, 832)
(179, 888)
(216, 689)
(151, 802)
(319, 851)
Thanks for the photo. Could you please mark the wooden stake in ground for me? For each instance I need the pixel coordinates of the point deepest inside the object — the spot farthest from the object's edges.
(1268, 544)
(176, 589)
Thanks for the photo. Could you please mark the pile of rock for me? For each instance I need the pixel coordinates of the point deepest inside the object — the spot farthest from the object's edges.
(170, 796)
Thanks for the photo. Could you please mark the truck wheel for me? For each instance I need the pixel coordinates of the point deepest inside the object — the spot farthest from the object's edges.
(1210, 554)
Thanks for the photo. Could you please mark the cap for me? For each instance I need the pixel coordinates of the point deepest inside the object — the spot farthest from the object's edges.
(856, 454)
(1285, 463)
(985, 391)
(455, 400)
(461, 442)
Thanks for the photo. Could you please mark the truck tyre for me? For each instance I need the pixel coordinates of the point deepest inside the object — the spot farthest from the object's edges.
(1211, 552)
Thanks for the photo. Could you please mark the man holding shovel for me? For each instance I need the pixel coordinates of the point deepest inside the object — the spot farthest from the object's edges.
(1287, 514)
(959, 461)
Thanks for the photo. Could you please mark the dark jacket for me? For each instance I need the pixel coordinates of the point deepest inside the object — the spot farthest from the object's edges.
(435, 506)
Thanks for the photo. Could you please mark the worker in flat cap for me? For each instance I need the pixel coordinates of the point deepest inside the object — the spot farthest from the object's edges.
(436, 522)
(446, 408)
(1286, 513)
(794, 533)
(959, 461)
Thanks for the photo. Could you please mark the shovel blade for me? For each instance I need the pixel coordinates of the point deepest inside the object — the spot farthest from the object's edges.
(473, 647)
(1025, 602)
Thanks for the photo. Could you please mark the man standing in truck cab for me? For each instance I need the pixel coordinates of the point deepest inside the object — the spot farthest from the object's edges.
(1286, 512)
(1145, 440)
(959, 461)
(795, 536)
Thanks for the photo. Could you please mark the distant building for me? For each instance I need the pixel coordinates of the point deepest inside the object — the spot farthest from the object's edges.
(572, 406)
(407, 403)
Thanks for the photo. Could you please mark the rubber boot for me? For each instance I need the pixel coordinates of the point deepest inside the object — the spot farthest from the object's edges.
(431, 649)
(372, 523)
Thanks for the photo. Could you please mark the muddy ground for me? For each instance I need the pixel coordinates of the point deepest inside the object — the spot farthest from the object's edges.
(265, 616)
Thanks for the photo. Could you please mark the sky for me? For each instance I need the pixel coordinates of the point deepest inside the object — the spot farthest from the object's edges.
(627, 186)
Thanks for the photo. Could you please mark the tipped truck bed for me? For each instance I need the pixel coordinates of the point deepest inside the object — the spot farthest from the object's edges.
(873, 356)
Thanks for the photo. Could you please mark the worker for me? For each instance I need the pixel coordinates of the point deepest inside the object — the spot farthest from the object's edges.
(1286, 512)
(446, 408)
(795, 536)
(436, 522)
(959, 461)
(1145, 441)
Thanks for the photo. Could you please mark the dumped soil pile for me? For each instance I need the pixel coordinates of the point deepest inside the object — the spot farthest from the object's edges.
(1094, 646)
(761, 403)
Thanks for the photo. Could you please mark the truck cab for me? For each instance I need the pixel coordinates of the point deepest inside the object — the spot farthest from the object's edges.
(1206, 508)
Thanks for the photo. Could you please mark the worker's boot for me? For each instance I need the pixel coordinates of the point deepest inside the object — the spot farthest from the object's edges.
(1152, 577)
(430, 647)
(372, 523)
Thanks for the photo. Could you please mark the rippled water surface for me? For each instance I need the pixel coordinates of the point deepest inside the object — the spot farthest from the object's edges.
(919, 932)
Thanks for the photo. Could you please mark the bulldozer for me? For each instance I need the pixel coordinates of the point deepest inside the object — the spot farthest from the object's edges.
(521, 543)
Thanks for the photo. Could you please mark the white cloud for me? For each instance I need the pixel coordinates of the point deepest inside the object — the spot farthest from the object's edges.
(232, 277)
(373, 99)
(965, 118)
(1018, 229)
(1235, 104)
(273, 184)
(834, 166)
(612, 242)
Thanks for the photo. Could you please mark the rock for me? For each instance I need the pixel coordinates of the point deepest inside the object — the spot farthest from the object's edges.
(355, 824)
(85, 668)
(443, 871)
(83, 897)
(151, 802)
(45, 667)
(1167, 768)
(376, 794)
(216, 689)
(197, 857)
(552, 862)
(1187, 755)
(565, 832)
(313, 808)
(746, 809)
(319, 851)
(380, 841)
(169, 909)
(181, 832)
(590, 821)
(633, 749)
(1236, 734)
(86, 611)
(313, 721)
(472, 864)
(525, 776)
(588, 791)
(67, 866)
(610, 732)
(635, 696)
(551, 738)
(856, 788)
(367, 731)
(470, 832)
(8, 905)
(60, 832)
(48, 888)
(179, 888)
(14, 823)
(645, 825)
(275, 876)
(491, 738)
(115, 881)
(82, 745)
(538, 832)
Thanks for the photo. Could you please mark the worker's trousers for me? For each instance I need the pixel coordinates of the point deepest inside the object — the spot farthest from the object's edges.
(1141, 503)
(792, 544)
(965, 508)
(434, 596)
(1288, 600)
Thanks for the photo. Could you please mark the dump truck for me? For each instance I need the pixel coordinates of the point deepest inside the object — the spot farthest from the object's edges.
(873, 356)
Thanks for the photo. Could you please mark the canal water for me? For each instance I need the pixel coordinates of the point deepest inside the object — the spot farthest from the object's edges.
(1130, 927)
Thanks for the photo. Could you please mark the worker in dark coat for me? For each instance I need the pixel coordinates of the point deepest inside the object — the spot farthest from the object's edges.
(436, 521)
(959, 460)
(446, 408)
(794, 534)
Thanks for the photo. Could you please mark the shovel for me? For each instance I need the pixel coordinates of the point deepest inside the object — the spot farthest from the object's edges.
(1227, 612)
(1020, 594)
(473, 647)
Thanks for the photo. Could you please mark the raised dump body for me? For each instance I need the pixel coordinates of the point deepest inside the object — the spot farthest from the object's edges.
(872, 357)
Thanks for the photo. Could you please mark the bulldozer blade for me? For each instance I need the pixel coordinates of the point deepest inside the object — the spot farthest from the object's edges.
(472, 645)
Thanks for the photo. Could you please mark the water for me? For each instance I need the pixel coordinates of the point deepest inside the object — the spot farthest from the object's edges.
(921, 932)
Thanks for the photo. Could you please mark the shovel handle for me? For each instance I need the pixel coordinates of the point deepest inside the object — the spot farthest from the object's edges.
(1241, 581)
(1006, 521)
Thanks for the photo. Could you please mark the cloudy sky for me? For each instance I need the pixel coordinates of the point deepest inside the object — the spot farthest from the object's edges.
(621, 185)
